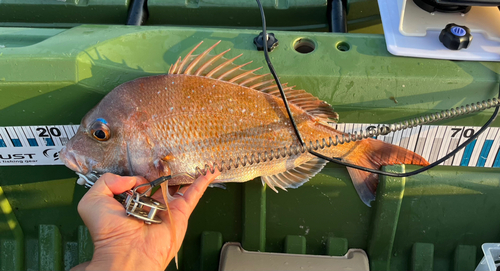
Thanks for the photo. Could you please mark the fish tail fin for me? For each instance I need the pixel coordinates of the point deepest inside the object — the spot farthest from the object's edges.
(374, 154)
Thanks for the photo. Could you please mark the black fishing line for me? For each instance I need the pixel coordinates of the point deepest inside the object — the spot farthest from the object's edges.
(273, 72)
(338, 161)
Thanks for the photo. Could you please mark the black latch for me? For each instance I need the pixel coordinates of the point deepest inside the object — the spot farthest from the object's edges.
(272, 42)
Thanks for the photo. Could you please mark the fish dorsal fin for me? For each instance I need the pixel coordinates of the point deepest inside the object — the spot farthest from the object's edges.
(295, 177)
(220, 68)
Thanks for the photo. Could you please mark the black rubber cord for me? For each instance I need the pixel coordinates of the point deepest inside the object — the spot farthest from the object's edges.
(273, 72)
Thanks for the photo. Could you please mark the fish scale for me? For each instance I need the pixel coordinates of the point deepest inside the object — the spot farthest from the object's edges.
(209, 111)
(245, 138)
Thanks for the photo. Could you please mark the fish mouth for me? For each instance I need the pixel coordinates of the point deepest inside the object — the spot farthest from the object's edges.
(72, 162)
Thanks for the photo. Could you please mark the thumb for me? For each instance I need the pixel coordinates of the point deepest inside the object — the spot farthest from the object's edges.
(111, 184)
(102, 192)
(99, 199)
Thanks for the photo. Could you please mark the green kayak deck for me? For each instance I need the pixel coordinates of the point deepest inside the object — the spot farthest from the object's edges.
(436, 220)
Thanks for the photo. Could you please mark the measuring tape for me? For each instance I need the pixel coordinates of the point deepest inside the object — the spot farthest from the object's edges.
(33, 145)
(40, 145)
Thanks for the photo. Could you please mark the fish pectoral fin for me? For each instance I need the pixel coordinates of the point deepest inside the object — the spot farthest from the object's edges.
(294, 177)
(161, 166)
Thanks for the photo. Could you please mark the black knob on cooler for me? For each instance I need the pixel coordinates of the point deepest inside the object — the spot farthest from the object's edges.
(455, 37)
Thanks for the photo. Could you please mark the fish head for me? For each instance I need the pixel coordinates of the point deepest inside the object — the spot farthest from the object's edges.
(106, 137)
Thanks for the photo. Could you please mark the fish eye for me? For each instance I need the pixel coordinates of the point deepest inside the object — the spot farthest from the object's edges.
(100, 130)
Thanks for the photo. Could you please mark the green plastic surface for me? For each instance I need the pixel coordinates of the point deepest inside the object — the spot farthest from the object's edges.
(336, 246)
(285, 14)
(62, 13)
(57, 79)
(363, 15)
(295, 244)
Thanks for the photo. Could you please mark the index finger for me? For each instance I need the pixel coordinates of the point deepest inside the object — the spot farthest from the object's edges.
(197, 189)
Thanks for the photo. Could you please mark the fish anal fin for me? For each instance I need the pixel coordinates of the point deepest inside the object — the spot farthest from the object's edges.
(295, 177)
(372, 153)
(223, 69)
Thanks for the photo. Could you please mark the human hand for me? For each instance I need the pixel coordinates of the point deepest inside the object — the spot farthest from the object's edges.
(127, 243)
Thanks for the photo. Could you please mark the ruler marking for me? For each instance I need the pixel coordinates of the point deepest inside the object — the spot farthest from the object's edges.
(356, 127)
(55, 139)
(349, 128)
(458, 156)
(422, 136)
(445, 147)
(478, 147)
(415, 132)
(405, 138)
(468, 132)
(494, 146)
(468, 153)
(7, 142)
(396, 139)
(54, 142)
(340, 127)
(49, 141)
(436, 146)
(453, 145)
(497, 159)
(39, 140)
(429, 142)
(484, 153)
(21, 136)
(30, 137)
(432, 142)
(2, 142)
(486, 148)
(69, 131)
(13, 137)
(11, 133)
(456, 135)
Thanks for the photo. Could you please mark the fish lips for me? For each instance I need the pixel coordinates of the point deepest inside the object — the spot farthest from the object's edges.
(74, 161)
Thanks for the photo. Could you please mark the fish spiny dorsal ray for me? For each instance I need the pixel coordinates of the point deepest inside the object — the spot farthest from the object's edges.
(236, 78)
(202, 68)
(220, 68)
(199, 57)
(187, 58)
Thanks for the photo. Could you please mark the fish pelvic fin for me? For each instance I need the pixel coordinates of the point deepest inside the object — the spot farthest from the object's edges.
(220, 68)
(372, 153)
(294, 177)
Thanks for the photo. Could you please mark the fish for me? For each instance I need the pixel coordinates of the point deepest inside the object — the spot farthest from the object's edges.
(209, 112)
